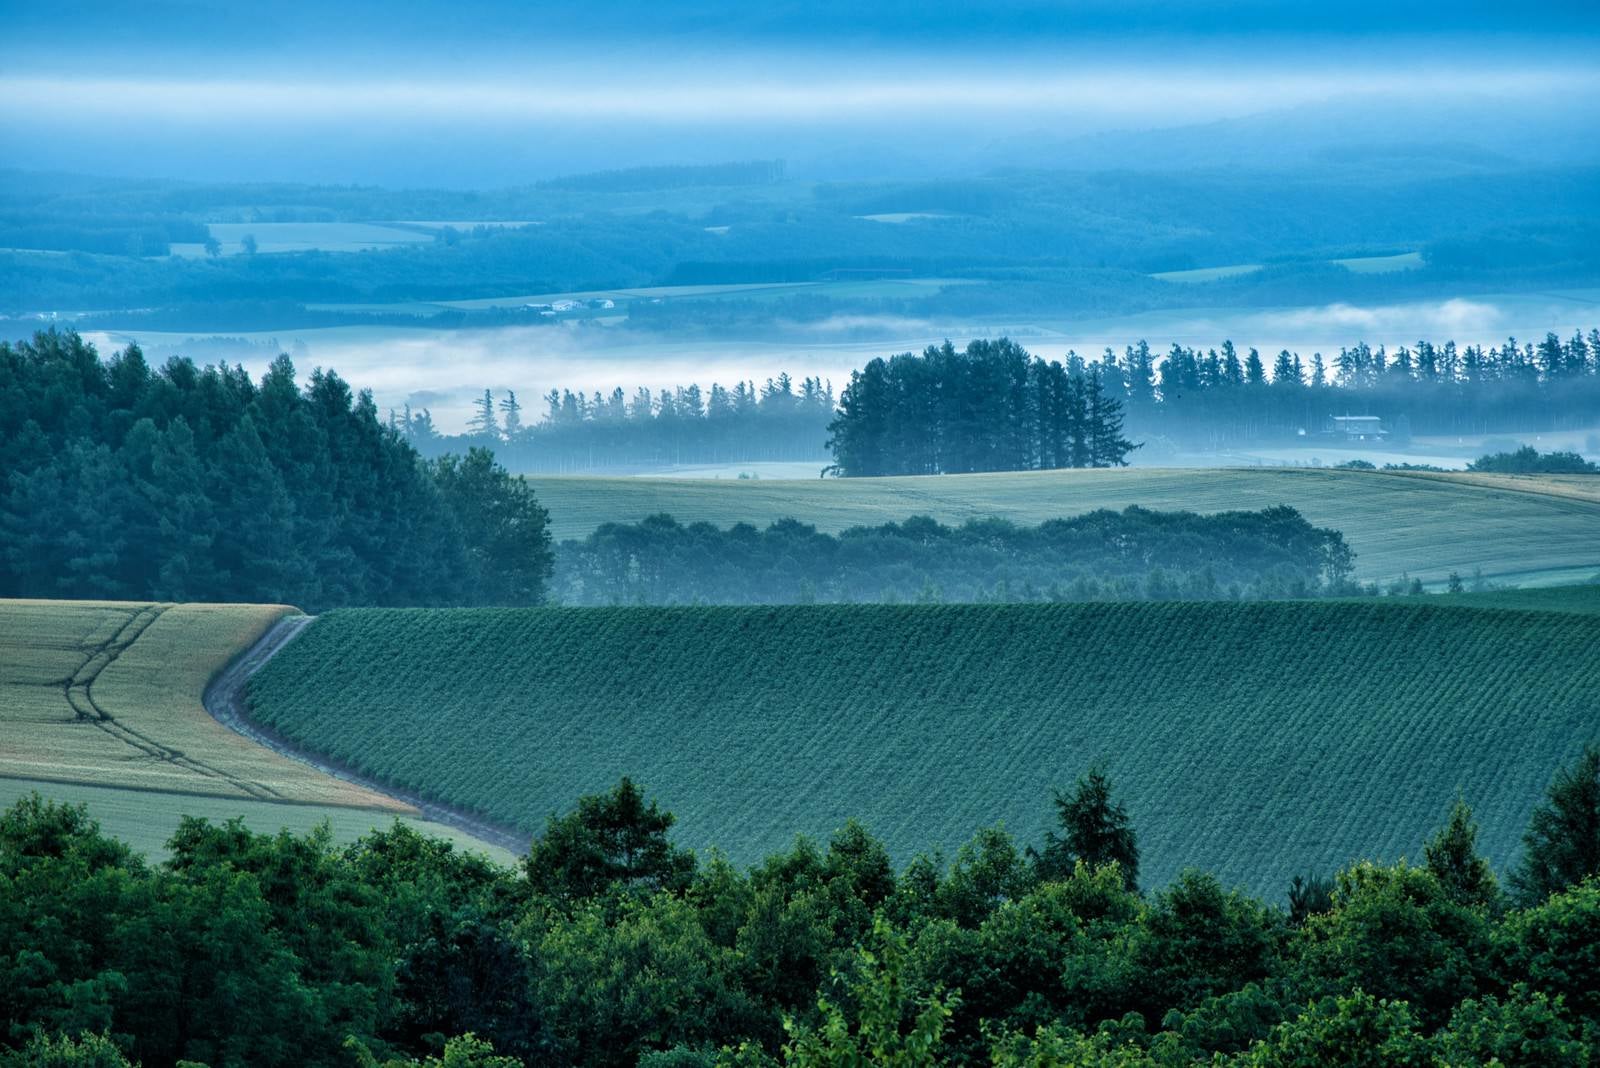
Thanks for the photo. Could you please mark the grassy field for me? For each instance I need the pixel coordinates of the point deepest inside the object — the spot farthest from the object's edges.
(326, 236)
(1207, 274)
(101, 701)
(1256, 740)
(1405, 261)
(146, 820)
(1516, 530)
(1580, 600)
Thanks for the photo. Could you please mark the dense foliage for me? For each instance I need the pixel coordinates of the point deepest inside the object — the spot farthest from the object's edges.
(611, 946)
(1530, 461)
(992, 407)
(778, 421)
(1103, 555)
(125, 482)
(1277, 720)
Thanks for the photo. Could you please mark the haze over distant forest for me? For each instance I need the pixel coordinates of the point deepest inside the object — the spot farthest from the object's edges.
(712, 195)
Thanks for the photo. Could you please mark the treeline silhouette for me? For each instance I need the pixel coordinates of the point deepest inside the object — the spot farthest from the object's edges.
(781, 420)
(991, 407)
(186, 484)
(1219, 397)
(609, 946)
(1134, 554)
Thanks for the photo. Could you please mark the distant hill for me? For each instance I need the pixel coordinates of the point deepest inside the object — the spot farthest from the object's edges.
(1516, 529)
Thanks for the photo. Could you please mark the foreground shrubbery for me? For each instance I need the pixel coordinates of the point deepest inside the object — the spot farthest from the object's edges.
(1135, 554)
(610, 946)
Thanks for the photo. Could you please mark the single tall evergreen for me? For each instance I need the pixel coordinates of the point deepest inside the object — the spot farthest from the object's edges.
(1452, 856)
(1095, 829)
(1562, 844)
(483, 422)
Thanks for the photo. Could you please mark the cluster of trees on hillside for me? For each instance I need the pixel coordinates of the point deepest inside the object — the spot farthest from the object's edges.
(1530, 461)
(111, 235)
(124, 481)
(609, 946)
(781, 420)
(994, 407)
(990, 407)
(1219, 397)
(1103, 555)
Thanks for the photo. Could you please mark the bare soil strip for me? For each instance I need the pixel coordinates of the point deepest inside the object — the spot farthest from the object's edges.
(224, 700)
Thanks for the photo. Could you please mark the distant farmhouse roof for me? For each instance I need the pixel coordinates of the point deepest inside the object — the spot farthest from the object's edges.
(1358, 427)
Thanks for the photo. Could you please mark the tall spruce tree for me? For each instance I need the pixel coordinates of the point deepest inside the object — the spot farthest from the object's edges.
(1562, 845)
(483, 423)
(1094, 829)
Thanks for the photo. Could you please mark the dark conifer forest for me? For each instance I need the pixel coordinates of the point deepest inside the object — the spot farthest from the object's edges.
(1220, 396)
(129, 482)
(779, 420)
(993, 406)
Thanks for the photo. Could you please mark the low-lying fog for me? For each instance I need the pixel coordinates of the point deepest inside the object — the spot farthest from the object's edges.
(444, 370)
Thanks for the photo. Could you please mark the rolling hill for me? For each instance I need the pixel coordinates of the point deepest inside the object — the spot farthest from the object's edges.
(101, 702)
(1524, 530)
(1256, 740)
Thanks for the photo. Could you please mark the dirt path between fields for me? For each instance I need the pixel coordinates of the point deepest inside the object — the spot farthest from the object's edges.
(224, 700)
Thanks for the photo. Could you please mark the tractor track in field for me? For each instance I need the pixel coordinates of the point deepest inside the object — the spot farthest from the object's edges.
(224, 701)
(78, 689)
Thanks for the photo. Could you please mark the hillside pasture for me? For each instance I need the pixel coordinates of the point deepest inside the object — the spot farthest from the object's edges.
(1424, 525)
(1256, 740)
(1208, 274)
(100, 702)
(145, 819)
(305, 236)
(1404, 261)
(109, 694)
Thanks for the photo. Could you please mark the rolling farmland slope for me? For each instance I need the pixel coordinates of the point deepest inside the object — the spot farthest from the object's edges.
(101, 702)
(1519, 530)
(1257, 740)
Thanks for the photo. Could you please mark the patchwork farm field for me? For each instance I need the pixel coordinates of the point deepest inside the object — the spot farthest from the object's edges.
(1518, 530)
(1256, 740)
(326, 236)
(101, 702)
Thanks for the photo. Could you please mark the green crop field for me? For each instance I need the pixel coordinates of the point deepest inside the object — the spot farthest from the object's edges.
(1207, 274)
(1256, 740)
(1404, 261)
(1582, 600)
(101, 702)
(1518, 531)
